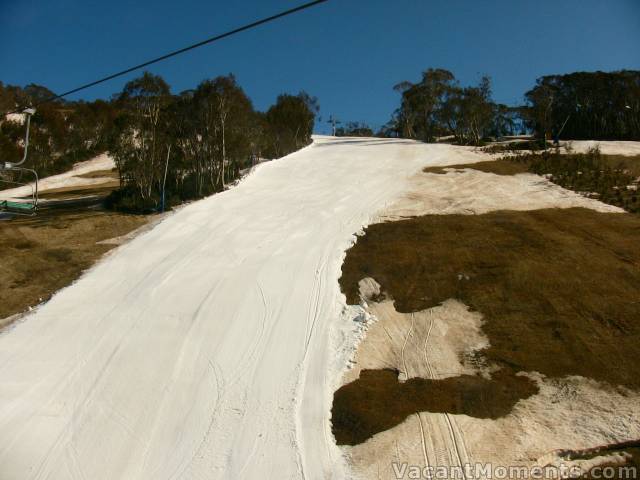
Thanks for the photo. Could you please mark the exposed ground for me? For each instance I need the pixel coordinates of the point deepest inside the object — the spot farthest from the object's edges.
(210, 347)
(555, 290)
(40, 255)
(502, 166)
(101, 189)
(558, 288)
(520, 164)
(622, 148)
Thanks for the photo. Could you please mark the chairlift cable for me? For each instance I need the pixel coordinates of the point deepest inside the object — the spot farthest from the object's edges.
(180, 51)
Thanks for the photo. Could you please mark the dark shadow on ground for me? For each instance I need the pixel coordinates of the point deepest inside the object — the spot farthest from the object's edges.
(377, 401)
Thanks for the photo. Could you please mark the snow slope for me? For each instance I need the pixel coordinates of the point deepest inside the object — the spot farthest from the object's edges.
(15, 117)
(607, 147)
(70, 179)
(206, 347)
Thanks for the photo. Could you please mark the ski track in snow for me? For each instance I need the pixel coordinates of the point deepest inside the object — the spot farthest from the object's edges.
(203, 348)
(445, 433)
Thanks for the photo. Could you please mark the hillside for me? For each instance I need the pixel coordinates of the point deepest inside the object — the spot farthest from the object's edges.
(211, 345)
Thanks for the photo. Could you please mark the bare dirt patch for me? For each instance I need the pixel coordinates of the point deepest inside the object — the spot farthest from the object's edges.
(43, 254)
(113, 174)
(558, 288)
(110, 182)
(501, 166)
(100, 190)
(521, 164)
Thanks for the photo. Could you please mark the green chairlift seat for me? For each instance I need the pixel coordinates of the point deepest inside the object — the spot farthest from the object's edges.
(24, 208)
(28, 206)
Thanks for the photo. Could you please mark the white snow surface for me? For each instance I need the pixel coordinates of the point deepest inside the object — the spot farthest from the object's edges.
(15, 117)
(470, 191)
(69, 179)
(607, 147)
(210, 346)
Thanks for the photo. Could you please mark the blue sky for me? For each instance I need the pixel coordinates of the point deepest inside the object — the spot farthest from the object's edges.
(348, 53)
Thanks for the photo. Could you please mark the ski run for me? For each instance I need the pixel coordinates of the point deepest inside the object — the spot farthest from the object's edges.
(210, 346)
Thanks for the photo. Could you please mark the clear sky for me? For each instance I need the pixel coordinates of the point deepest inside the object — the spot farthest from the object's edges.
(348, 53)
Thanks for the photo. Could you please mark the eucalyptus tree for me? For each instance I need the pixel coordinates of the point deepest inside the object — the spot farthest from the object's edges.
(477, 111)
(586, 105)
(289, 123)
(173, 147)
(419, 112)
(224, 117)
(355, 129)
(439, 106)
(140, 149)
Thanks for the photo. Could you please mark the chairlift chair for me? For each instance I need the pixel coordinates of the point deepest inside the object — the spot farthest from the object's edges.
(22, 206)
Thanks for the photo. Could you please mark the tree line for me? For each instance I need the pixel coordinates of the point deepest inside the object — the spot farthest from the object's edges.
(354, 129)
(586, 105)
(438, 106)
(171, 148)
(174, 147)
(582, 105)
(168, 148)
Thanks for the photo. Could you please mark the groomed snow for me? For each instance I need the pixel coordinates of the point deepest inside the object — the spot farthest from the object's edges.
(613, 147)
(69, 179)
(206, 347)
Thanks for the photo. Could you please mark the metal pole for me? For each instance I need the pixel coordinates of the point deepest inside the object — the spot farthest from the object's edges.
(164, 180)
(28, 112)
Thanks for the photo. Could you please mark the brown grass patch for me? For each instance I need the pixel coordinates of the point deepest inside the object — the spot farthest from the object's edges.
(377, 401)
(499, 167)
(626, 162)
(113, 173)
(521, 164)
(98, 190)
(103, 189)
(43, 254)
(559, 289)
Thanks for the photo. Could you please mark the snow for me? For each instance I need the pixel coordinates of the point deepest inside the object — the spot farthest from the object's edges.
(210, 346)
(69, 179)
(613, 147)
(15, 117)
(469, 191)
(427, 344)
(572, 412)
(455, 333)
